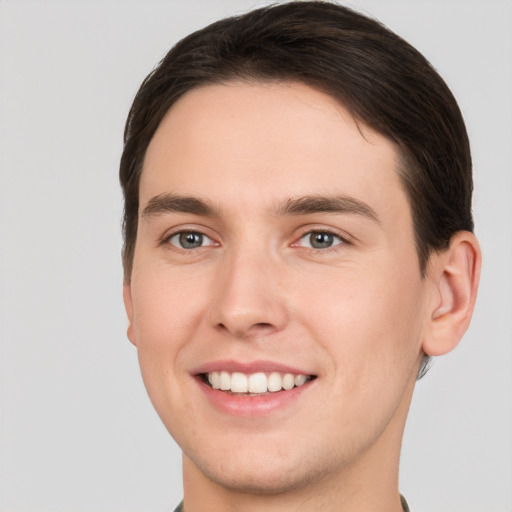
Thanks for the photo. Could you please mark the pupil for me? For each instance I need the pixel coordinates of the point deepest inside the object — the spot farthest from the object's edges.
(191, 240)
(321, 240)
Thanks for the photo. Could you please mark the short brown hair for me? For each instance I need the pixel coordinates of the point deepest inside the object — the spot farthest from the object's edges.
(381, 79)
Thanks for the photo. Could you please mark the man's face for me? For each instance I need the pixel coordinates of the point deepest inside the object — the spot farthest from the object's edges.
(274, 238)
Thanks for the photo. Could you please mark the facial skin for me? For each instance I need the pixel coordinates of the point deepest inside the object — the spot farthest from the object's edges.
(353, 313)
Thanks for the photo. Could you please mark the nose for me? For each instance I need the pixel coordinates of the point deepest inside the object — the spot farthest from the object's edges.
(250, 301)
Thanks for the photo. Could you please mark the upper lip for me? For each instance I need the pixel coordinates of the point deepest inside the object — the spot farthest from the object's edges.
(248, 367)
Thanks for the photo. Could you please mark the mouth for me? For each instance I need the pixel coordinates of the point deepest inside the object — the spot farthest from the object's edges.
(255, 388)
(254, 384)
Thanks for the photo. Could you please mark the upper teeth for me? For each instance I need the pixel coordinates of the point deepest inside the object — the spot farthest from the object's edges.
(256, 382)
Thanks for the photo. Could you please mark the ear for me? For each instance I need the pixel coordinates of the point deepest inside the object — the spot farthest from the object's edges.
(128, 306)
(455, 274)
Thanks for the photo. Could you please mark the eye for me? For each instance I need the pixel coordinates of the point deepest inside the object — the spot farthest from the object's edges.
(190, 240)
(320, 240)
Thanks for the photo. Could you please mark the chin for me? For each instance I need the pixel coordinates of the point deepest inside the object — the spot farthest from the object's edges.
(264, 474)
(252, 480)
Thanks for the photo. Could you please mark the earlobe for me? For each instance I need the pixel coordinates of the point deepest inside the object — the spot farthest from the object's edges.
(456, 273)
(128, 305)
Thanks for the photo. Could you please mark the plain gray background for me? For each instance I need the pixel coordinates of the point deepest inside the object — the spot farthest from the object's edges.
(77, 430)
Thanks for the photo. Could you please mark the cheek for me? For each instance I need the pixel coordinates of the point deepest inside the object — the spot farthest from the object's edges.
(166, 306)
(166, 312)
(369, 324)
(371, 335)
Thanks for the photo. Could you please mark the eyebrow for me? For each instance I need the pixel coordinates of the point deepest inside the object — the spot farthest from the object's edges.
(304, 205)
(169, 203)
(326, 204)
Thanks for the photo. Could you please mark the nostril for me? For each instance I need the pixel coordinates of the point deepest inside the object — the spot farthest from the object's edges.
(239, 331)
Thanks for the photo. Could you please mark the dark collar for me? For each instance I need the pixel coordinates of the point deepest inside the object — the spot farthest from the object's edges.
(402, 501)
(404, 504)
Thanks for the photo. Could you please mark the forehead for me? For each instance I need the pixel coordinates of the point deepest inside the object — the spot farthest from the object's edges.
(246, 142)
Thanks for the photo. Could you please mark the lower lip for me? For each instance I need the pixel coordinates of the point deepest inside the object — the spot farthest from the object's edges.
(251, 406)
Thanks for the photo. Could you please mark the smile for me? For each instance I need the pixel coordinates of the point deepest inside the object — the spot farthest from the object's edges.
(254, 384)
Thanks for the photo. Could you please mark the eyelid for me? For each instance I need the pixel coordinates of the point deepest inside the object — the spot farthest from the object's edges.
(307, 235)
(205, 238)
(178, 230)
(345, 238)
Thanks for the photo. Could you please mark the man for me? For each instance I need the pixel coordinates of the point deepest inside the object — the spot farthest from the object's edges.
(298, 243)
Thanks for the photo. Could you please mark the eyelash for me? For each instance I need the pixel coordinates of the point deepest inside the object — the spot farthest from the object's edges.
(167, 240)
(178, 234)
(341, 240)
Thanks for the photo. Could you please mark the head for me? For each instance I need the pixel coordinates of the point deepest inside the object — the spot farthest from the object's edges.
(341, 91)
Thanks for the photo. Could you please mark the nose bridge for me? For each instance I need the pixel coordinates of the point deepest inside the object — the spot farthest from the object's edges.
(250, 299)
